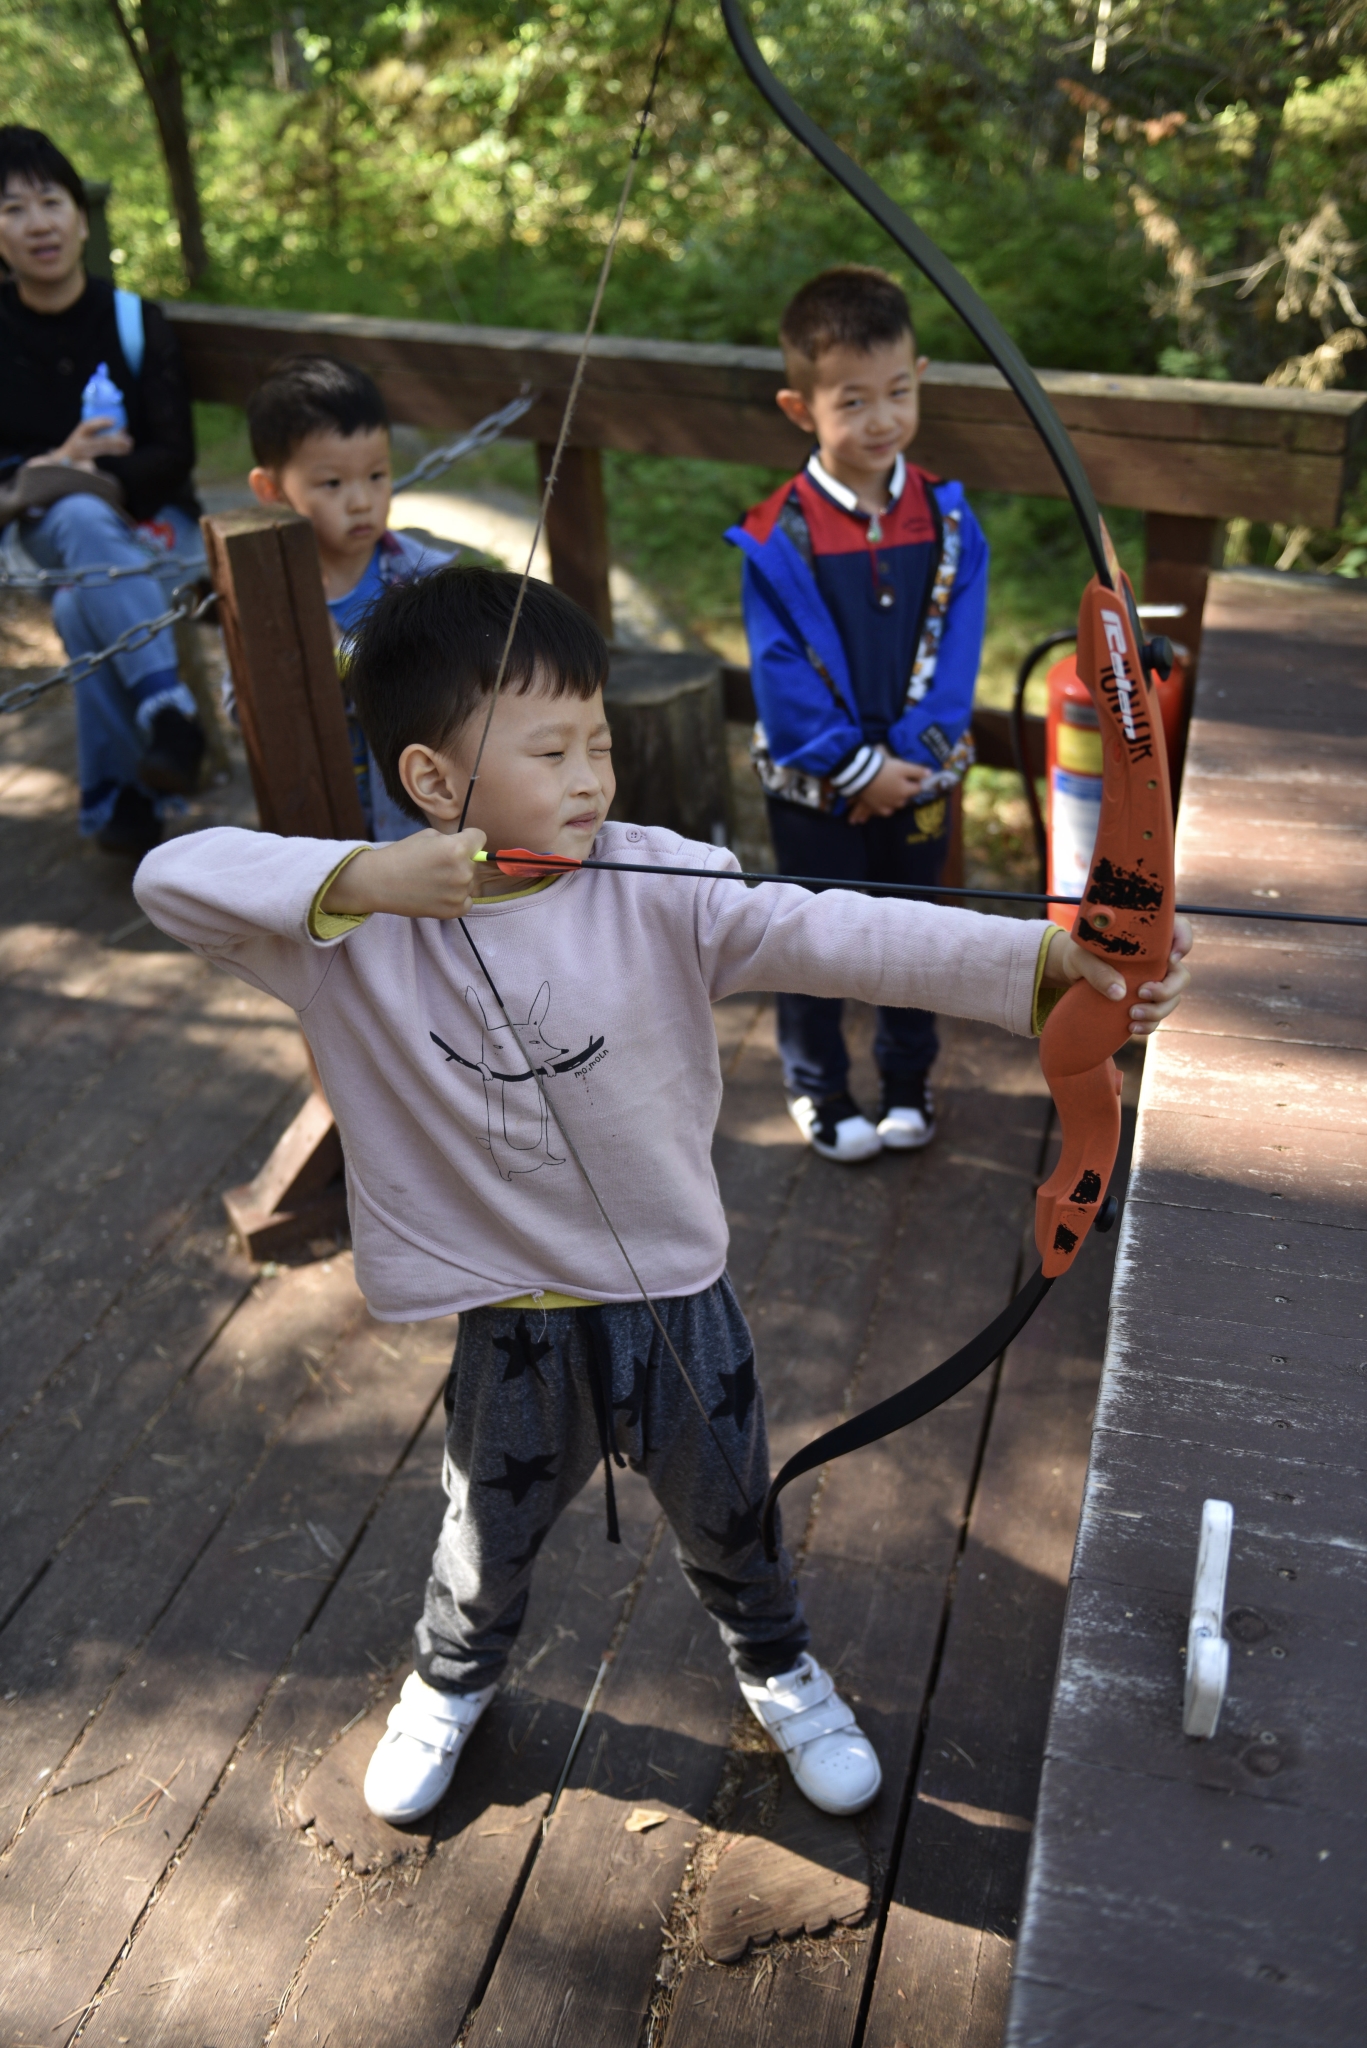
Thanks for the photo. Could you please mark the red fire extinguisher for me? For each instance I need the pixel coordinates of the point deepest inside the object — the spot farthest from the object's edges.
(1073, 771)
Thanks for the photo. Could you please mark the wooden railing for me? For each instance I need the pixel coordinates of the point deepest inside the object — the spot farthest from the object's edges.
(1188, 454)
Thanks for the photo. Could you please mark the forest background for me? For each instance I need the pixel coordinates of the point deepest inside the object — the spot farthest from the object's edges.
(1171, 187)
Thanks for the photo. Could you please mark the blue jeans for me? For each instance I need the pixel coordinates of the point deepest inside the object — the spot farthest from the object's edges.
(115, 703)
(811, 1043)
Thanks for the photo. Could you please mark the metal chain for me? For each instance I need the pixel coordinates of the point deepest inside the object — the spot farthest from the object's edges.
(98, 572)
(186, 605)
(482, 435)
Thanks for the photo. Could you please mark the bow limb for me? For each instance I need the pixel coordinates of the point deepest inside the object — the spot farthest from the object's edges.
(1125, 918)
(913, 241)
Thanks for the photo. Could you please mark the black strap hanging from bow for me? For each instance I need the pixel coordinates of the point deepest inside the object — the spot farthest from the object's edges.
(912, 1403)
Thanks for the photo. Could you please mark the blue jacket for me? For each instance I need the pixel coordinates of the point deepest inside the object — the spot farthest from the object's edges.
(813, 744)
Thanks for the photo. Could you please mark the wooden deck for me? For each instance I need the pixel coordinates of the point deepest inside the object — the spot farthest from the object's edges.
(1192, 1891)
(221, 1491)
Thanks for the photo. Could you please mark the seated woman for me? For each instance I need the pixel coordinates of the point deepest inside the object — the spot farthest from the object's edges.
(139, 740)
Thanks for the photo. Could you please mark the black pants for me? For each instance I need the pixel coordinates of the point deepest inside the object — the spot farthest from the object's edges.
(533, 1402)
(910, 846)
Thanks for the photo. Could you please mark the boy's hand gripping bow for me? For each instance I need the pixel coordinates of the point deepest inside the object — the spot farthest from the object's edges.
(1127, 909)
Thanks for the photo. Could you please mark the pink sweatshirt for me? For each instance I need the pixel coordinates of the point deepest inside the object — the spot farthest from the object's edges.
(460, 1189)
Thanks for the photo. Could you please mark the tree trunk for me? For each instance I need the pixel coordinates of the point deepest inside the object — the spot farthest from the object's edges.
(1249, 356)
(152, 47)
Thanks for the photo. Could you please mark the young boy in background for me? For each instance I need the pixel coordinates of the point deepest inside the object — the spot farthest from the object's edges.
(865, 592)
(320, 435)
(464, 1195)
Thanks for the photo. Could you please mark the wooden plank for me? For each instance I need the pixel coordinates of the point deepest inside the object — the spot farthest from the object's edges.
(1189, 448)
(75, 1249)
(127, 1797)
(577, 529)
(1261, 982)
(221, 1944)
(130, 1553)
(1233, 1371)
(1268, 1933)
(416, 1963)
(944, 1964)
(275, 624)
(88, 1416)
(584, 1944)
(1278, 1739)
(60, 1142)
(805, 1873)
(234, 1926)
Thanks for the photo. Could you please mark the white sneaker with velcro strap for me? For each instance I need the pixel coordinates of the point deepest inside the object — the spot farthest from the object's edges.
(830, 1757)
(416, 1757)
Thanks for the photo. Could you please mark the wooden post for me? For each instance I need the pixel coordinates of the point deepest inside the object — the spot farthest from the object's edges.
(289, 703)
(577, 529)
(1179, 554)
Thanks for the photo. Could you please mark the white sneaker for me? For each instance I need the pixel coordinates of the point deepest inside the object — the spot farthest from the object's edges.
(906, 1119)
(836, 1128)
(831, 1759)
(416, 1757)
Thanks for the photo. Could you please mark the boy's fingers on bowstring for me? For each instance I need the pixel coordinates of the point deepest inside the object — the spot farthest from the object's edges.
(456, 871)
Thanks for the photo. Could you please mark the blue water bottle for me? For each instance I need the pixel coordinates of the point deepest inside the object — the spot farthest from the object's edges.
(102, 399)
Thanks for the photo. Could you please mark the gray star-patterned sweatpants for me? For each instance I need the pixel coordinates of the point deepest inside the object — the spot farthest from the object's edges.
(533, 1401)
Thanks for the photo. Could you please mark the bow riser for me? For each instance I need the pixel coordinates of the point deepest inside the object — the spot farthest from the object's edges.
(1125, 918)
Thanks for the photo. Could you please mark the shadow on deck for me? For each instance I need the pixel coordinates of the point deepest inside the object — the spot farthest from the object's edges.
(222, 1488)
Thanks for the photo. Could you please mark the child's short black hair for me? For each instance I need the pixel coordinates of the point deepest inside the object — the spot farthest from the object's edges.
(305, 395)
(30, 156)
(427, 655)
(851, 306)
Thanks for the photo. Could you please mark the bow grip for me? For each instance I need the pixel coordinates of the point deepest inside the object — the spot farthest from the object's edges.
(1125, 918)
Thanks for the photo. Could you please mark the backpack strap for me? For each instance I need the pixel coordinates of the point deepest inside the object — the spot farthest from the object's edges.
(128, 317)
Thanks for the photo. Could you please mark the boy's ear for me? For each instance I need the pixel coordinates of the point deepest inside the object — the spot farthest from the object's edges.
(431, 782)
(264, 487)
(794, 406)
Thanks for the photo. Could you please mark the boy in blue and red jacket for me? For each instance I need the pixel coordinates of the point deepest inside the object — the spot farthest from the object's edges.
(865, 592)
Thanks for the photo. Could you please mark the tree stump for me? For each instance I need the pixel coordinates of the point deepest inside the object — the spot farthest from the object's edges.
(669, 742)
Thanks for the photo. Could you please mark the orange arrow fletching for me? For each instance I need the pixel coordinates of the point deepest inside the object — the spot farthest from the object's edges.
(520, 864)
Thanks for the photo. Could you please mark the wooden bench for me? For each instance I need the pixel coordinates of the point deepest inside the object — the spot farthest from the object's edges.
(1183, 1889)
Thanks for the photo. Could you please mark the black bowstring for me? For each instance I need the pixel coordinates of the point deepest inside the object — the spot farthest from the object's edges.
(615, 1234)
(642, 122)
(920, 892)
